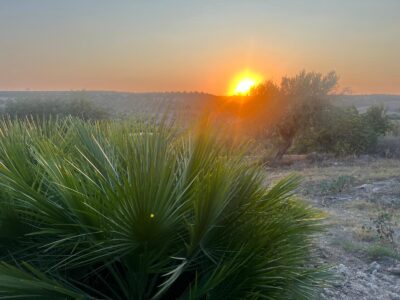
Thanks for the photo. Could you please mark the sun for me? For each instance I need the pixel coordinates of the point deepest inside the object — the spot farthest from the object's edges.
(243, 82)
(244, 86)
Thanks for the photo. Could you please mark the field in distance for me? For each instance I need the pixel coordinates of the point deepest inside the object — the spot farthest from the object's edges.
(124, 104)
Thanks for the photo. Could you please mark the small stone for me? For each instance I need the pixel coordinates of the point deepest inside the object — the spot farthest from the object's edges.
(362, 187)
(362, 275)
(394, 270)
(374, 266)
(337, 284)
(342, 269)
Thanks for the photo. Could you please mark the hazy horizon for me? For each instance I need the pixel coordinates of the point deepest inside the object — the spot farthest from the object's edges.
(161, 47)
(166, 92)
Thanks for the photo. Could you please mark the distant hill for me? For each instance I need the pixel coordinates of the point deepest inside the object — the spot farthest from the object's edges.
(187, 104)
(122, 104)
(362, 102)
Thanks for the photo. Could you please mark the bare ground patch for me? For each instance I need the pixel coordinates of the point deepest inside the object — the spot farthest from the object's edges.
(362, 242)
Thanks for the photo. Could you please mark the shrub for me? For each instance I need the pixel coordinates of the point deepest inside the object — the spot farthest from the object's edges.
(377, 119)
(374, 251)
(379, 251)
(135, 211)
(388, 146)
(307, 98)
(297, 115)
(292, 107)
(395, 128)
(344, 131)
(337, 185)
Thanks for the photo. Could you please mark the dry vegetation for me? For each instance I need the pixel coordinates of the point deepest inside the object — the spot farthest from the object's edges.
(361, 197)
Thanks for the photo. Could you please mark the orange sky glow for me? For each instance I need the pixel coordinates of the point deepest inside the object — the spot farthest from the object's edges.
(157, 47)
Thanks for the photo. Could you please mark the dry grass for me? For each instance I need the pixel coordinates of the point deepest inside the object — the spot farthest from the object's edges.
(375, 169)
(354, 210)
(363, 205)
(364, 234)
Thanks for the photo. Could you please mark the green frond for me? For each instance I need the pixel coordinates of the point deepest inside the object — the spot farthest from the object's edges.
(133, 210)
(27, 282)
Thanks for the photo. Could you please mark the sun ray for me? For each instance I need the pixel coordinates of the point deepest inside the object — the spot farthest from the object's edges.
(243, 82)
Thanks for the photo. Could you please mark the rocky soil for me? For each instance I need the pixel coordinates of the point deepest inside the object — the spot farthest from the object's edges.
(361, 198)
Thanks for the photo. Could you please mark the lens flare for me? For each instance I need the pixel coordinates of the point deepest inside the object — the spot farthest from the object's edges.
(243, 82)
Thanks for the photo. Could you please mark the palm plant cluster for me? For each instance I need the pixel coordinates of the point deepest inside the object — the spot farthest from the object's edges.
(121, 210)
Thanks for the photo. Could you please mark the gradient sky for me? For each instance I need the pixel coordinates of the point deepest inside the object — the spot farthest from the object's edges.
(196, 45)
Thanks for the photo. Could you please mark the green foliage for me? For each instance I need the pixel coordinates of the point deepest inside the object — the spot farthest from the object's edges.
(108, 210)
(379, 251)
(45, 109)
(374, 251)
(299, 116)
(344, 131)
(297, 103)
(395, 128)
(377, 119)
(388, 146)
(26, 282)
(333, 186)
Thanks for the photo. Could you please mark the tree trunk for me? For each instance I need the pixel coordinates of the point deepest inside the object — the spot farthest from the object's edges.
(282, 150)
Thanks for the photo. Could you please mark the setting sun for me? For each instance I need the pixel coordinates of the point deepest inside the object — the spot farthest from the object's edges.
(243, 83)
(244, 86)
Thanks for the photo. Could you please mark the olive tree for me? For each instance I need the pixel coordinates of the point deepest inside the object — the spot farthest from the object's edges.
(293, 105)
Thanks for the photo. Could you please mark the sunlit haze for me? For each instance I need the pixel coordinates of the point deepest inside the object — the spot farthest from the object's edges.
(196, 45)
(243, 82)
(244, 86)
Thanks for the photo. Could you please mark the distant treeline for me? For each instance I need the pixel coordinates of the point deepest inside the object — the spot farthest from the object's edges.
(301, 114)
(50, 108)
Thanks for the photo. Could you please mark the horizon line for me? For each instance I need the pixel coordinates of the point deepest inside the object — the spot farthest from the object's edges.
(166, 92)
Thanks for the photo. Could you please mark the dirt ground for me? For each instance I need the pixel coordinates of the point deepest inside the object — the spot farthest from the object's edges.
(361, 198)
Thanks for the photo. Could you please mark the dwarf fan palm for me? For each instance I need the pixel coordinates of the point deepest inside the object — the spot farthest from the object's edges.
(114, 210)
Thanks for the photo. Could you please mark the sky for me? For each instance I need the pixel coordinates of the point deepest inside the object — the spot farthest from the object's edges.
(185, 45)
